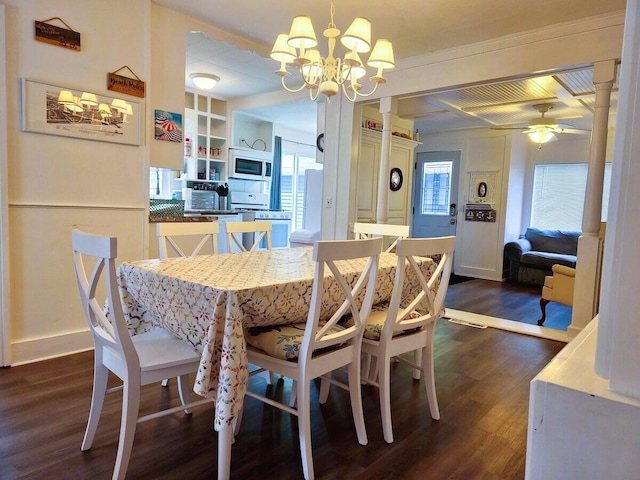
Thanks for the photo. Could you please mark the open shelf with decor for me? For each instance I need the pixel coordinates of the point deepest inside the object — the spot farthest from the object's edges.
(206, 129)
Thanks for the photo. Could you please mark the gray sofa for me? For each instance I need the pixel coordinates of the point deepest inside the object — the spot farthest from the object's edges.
(530, 258)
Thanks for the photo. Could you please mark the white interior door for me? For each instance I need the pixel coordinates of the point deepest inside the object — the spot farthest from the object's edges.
(435, 194)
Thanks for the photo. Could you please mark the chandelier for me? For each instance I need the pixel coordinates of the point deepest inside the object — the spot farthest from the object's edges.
(325, 75)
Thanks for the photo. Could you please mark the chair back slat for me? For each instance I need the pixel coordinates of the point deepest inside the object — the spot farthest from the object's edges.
(373, 230)
(429, 299)
(357, 300)
(99, 252)
(235, 230)
(167, 233)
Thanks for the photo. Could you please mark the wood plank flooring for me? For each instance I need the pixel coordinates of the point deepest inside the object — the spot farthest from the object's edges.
(520, 303)
(482, 380)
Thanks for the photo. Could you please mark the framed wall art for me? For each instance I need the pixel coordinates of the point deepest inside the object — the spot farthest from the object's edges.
(69, 112)
(482, 187)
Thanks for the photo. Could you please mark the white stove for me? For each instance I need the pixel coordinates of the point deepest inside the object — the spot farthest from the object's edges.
(272, 215)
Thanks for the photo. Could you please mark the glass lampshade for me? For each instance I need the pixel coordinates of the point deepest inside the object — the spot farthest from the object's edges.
(204, 81)
(541, 135)
(357, 38)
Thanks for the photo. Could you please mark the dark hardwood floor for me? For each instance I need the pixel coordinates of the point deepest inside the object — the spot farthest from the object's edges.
(482, 380)
(517, 302)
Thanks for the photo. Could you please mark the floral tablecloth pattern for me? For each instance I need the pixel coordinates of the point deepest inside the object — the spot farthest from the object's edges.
(208, 299)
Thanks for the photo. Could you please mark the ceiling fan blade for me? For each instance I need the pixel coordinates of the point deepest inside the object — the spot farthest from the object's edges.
(508, 128)
(578, 131)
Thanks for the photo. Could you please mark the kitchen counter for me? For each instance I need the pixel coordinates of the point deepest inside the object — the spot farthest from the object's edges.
(180, 218)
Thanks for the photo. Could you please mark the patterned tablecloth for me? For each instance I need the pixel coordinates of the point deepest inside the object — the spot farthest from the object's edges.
(206, 301)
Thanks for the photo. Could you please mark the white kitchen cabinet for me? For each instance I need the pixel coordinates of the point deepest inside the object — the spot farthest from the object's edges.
(205, 127)
(401, 157)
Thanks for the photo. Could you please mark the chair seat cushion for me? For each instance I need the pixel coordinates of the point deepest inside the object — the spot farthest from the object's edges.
(279, 341)
(375, 322)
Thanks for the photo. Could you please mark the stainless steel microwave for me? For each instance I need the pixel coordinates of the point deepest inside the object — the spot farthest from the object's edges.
(250, 164)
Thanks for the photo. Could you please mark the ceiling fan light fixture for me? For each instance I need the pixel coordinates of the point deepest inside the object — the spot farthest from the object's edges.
(204, 81)
(541, 135)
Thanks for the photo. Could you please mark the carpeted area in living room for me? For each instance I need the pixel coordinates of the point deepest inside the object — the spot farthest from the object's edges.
(515, 302)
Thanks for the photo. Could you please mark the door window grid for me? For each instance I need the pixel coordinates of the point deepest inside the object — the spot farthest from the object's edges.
(436, 188)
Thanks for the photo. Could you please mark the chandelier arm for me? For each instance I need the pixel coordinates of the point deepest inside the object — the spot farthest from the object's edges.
(292, 90)
(357, 93)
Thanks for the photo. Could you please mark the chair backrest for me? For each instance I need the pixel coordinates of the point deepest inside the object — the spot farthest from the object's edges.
(372, 230)
(208, 231)
(236, 229)
(428, 300)
(96, 253)
(326, 253)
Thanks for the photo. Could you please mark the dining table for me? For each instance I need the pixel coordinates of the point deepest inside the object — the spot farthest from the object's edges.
(209, 301)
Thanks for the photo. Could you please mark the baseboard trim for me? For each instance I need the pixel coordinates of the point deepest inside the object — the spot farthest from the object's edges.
(39, 349)
(509, 325)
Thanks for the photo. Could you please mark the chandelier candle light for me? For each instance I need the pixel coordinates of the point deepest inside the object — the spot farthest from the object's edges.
(325, 75)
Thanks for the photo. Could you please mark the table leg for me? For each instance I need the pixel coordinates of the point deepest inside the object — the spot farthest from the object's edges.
(225, 440)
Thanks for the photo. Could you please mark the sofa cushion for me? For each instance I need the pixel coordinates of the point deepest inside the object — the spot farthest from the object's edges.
(553, 241)
(546, 260)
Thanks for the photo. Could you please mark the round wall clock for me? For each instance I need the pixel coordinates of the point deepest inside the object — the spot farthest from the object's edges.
(320, 142)
(395, 179)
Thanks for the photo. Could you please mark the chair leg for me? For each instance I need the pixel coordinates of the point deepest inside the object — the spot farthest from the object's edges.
(543, 308)
(130, 407)
(184, 389)
(100, 377)
(417, 359)
(294, 394)
(225, 440)
(384, 382)
(325, 385)
(355, 394)
(304, 427)
(429, 377)
(366, 365)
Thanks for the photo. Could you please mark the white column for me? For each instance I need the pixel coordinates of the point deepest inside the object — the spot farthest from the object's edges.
(388, 107)
(617, 353)
(588, 268)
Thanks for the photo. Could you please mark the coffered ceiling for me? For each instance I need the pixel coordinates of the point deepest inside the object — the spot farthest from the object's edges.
(415, 27)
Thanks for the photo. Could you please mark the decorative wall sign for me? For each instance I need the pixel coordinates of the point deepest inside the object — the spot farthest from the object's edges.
(482, 187)
(168, 126)
(63, 111)
(475, 214)
(58, 36)
(130, 86)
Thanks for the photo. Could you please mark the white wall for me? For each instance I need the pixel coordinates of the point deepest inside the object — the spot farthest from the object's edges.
(58, 183)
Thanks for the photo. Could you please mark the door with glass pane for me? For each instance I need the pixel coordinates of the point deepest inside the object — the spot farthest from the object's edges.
(435, 194)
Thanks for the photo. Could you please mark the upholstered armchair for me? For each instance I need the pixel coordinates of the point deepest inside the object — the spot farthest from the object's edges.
(557, 288)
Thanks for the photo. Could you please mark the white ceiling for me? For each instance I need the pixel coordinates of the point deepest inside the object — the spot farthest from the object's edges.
(415, 27)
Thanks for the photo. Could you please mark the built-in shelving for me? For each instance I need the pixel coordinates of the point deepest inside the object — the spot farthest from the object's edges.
(206, 128)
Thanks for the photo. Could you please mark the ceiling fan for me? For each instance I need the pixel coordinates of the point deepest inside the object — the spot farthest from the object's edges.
(543, 129)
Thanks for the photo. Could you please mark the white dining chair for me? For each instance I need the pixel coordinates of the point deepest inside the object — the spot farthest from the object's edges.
(308, 350)
(260, 229)
(394, 328)
(167, 232)
(371, 230)
(139, 360)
